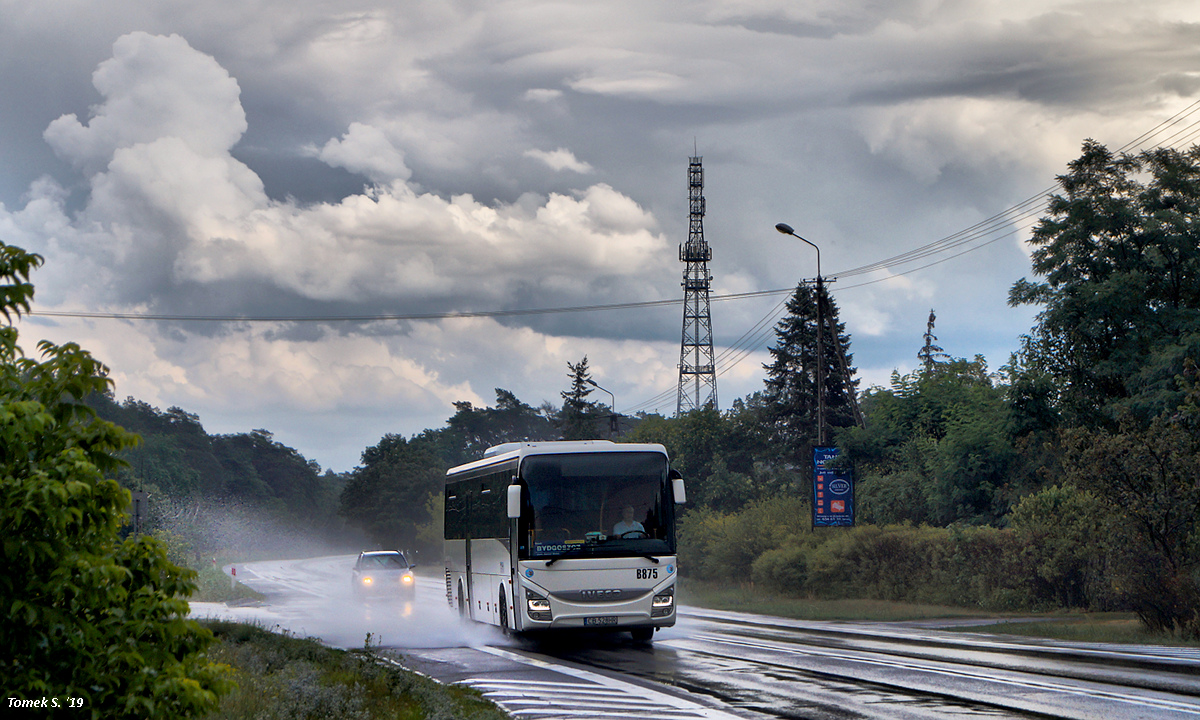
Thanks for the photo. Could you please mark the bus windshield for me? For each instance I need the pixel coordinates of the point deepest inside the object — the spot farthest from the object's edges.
(596, 505)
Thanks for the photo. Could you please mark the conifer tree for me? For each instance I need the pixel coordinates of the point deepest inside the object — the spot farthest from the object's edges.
(931, 353)
(577, 419)
(791, 384)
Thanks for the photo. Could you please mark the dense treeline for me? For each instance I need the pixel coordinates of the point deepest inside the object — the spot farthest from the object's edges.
(228, 495)
(395, 495)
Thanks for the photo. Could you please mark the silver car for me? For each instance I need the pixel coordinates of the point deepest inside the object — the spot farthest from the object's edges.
(384, 573)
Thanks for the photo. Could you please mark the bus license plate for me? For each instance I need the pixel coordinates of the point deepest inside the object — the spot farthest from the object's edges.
(599, 621)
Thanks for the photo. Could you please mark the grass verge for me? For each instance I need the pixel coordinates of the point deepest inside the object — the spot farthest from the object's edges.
(213, 585)
(1122, 628)
(282, 677)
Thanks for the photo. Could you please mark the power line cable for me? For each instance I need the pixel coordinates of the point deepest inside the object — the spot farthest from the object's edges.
(449, 315)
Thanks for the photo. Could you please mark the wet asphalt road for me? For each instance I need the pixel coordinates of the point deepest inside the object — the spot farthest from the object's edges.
(728, 665)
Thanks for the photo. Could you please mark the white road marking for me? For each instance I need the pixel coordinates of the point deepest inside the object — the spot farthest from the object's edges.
(597, 697)
(866, 658)
(914, 632)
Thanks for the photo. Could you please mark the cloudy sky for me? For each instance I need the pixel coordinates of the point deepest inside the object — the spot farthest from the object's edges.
(367, 159)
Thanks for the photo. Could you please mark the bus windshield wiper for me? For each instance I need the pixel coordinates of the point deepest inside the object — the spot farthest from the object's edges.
(567, 554)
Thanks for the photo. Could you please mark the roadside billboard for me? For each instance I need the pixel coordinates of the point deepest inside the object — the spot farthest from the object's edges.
(833, 491)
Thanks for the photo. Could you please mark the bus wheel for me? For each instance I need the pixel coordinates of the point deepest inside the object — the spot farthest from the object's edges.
(504, 628)
(642, 634)
(462, 602)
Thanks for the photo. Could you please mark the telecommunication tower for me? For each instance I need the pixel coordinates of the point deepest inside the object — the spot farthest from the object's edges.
(697, 369)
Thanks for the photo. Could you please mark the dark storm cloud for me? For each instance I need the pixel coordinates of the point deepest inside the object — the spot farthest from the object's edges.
(428, 157)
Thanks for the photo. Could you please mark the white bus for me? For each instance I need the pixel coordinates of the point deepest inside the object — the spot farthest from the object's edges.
(558, 535)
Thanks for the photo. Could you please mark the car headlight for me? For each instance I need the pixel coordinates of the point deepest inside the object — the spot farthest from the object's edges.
(407, 579)
(367, 580)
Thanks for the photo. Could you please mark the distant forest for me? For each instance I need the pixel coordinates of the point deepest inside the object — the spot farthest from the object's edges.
(223, 494)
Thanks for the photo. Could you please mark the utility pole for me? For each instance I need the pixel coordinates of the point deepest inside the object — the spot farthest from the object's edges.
(697, 368)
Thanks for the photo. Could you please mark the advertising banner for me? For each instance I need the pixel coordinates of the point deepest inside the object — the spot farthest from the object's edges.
(833, 491)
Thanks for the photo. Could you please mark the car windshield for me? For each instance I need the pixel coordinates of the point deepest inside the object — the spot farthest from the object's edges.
(596, 505)
(383, 562)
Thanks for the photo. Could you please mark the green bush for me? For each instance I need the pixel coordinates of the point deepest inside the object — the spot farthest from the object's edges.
(1066, 541)
(981, 567)
(784, 570)
(84, 616)
(712, 544)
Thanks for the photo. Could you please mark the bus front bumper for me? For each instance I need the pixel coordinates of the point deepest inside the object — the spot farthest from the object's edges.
(547, 611)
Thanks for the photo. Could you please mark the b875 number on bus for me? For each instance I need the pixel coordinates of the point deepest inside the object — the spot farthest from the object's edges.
(647, 573)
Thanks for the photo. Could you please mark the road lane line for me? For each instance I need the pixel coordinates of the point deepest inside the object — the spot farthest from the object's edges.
(985, 642)
(1091, 692)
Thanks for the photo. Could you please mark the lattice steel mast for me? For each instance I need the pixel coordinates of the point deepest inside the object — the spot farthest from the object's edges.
(697, 369)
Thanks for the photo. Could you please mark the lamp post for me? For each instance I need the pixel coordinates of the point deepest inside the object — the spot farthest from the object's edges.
(614, 427)
(787, 230)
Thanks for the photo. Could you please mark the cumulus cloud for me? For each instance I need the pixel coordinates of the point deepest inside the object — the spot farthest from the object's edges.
(172, 221)
(179, 209)
(154, 87)
(367, 150)
(391, 378)
(996, 135)
(560, 159)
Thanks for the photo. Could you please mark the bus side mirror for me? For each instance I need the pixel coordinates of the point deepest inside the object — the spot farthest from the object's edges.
(677, 488)
(514, 502)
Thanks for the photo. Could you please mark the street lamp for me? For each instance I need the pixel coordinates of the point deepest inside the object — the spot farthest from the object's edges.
(787, 230)
(613, 424)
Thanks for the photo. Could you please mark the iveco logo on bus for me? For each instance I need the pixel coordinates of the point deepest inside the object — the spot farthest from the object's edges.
(599, 593)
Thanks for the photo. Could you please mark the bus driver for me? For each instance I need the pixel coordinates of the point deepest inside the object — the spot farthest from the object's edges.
(627, 524)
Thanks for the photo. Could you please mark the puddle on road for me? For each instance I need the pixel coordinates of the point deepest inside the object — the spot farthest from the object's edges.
(794, 693)
(329, 610)
(766, 690)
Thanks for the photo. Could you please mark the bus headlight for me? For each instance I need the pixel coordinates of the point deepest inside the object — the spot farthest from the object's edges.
(663, 603)
(537, 606)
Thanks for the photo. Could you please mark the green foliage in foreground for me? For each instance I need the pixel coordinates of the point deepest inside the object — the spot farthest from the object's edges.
(284, 677)
(84, 616)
